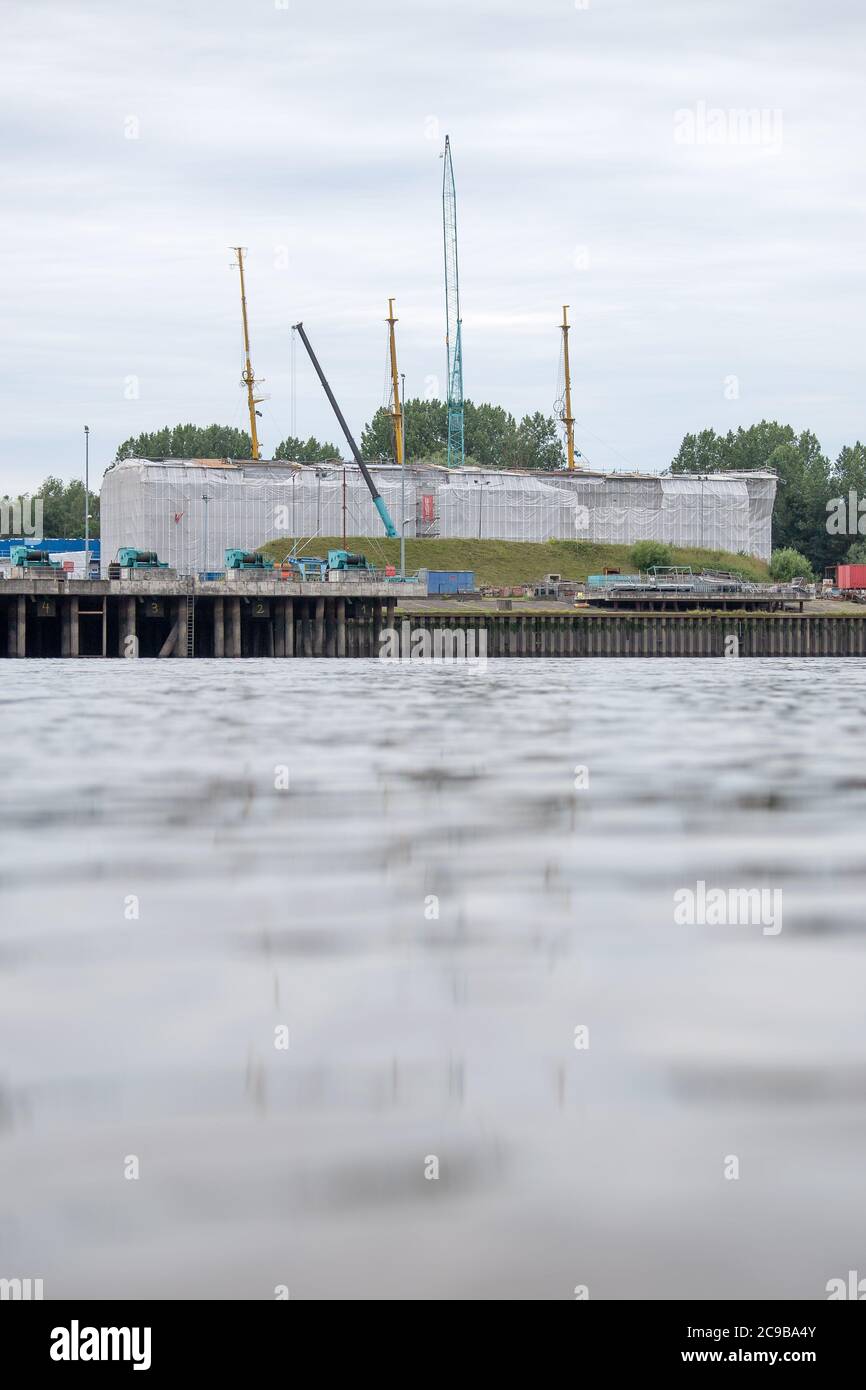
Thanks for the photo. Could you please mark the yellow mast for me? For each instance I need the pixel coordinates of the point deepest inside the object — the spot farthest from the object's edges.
(247, 375)
(396, 413)
(567, 418)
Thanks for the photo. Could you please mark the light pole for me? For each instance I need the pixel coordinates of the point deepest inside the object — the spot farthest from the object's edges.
(205, 499)
(318, 501)
(86, 501)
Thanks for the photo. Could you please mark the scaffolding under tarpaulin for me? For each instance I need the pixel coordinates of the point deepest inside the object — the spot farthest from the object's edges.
(190, 511)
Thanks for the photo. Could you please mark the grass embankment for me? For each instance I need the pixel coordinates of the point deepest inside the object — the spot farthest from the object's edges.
(502, 563)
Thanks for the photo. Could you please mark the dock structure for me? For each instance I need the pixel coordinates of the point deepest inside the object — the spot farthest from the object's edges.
(658, 601)
(174, 617)
(160, 616)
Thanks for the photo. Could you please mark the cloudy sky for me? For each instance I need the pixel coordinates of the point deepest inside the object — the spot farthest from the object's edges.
(714, 264)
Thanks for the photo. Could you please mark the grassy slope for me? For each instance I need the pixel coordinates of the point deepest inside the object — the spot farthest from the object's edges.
(501, 563)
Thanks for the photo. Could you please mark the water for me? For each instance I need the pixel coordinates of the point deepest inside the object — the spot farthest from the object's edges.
(152, 788)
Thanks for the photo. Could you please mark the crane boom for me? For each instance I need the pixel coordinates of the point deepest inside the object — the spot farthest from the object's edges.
(390, 528)
(453, 322)
(397, 412)
(567, 417)
(247, 376)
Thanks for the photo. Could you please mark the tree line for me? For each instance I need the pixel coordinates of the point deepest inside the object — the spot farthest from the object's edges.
(62, 508)
(805, 519)
(493, 438)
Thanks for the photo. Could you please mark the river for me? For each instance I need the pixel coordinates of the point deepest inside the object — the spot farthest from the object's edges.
(351, 980)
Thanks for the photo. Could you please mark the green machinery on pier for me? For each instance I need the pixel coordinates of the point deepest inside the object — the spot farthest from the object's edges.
(247, 560)
(34, 561)
(131, 559)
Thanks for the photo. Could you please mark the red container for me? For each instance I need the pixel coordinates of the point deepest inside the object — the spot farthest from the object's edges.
(851, 576)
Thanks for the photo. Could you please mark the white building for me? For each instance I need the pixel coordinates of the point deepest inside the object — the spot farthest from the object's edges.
(191, 510)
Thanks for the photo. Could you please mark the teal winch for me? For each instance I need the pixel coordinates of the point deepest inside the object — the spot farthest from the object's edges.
(345, 560)
(247, 560)
(25, 558)
(130, 559)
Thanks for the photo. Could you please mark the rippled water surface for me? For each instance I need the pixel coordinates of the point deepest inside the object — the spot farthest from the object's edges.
(157, 789)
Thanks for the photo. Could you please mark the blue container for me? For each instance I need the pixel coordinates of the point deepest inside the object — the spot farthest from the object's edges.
(450, 581)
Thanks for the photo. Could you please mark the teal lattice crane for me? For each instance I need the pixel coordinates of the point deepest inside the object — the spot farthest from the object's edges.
(453, 325)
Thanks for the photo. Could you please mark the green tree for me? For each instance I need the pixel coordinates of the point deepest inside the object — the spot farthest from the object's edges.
(849, 488)
(55, 514)
(309, 451)
(71, 521)
(426, 431)
(645, 554)
(751, 449)
(699, 453)
(805, 480)
(849, 470)
(490, 435)
(741, 450)
(62, 509)
(538, 444)
(787, 564)
(377, 437)
(804, 489)
(189, 442)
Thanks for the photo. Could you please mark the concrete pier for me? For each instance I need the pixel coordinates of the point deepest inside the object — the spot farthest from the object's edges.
(53, 617)
(127, 639)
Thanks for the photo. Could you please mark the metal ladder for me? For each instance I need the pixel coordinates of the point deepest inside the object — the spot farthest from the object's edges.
(190, 622)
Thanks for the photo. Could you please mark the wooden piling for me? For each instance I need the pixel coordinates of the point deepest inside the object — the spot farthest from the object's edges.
(180, 622)
(234, 627)
(21, 626)
(341, 627)
(219, 627)
(64, 627)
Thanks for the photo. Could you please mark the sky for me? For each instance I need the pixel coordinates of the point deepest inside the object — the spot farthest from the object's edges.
(687, 176)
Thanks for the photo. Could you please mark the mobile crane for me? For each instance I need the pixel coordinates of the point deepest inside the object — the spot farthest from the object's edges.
(378, 503)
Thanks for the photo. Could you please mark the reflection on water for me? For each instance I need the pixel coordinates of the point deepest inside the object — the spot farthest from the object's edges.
(430, 909)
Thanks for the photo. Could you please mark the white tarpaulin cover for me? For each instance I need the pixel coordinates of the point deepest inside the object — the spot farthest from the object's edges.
(190, 511)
